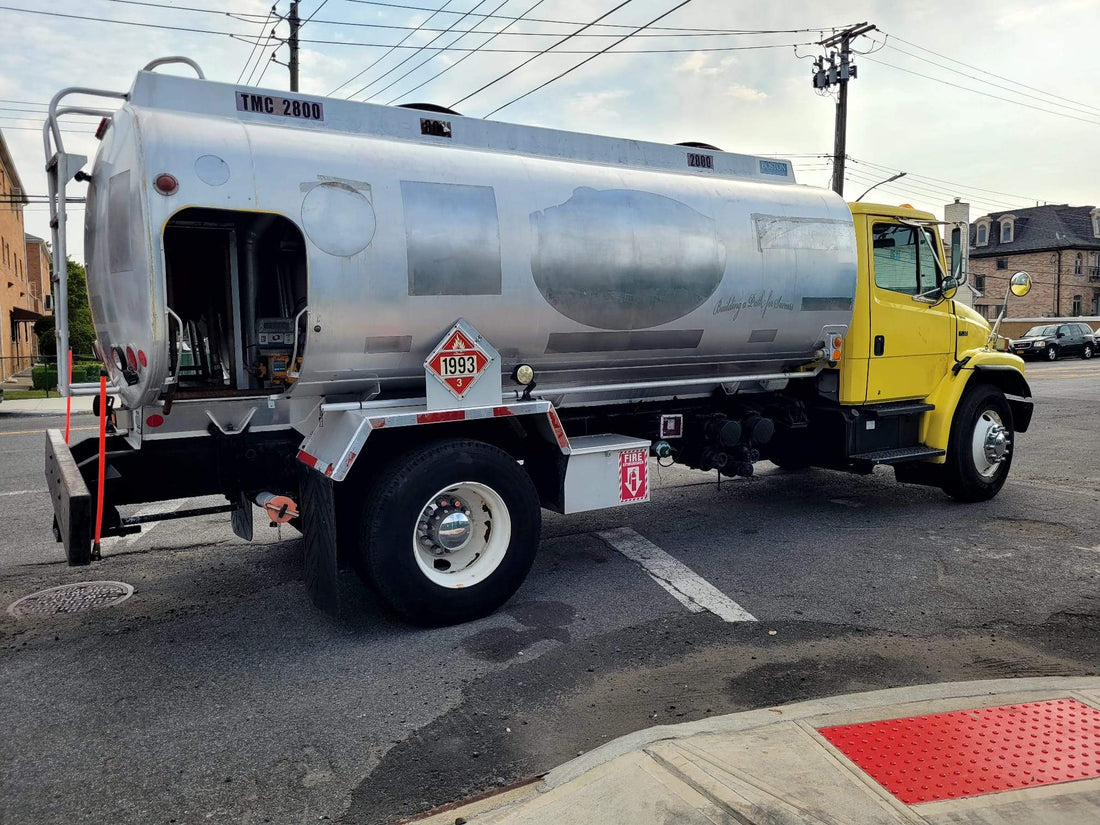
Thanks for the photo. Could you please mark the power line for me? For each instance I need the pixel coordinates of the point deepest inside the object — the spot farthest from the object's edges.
(475, 51)
(263, 27)
(413, 55)
(992, 74)
(390, 51)
(1088, 110)
(598, 25)
(980, 92)
(951, 182)
(544, 51)
(589, 59)
(358, 44)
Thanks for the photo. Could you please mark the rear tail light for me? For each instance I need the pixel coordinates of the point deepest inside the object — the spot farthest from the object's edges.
(131, 358)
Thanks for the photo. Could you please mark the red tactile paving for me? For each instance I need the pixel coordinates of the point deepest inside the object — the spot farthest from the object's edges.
(973, 752)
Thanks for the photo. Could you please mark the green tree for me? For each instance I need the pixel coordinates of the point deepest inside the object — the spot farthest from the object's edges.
(81, 331)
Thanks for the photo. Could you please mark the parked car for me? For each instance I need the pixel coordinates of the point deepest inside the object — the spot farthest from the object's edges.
(1050, 341)
(1, 395)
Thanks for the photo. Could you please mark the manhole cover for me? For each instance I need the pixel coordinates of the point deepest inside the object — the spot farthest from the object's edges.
(71, 598)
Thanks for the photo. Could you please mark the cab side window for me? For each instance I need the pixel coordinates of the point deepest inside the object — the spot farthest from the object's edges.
(895, 257)
(903, 260)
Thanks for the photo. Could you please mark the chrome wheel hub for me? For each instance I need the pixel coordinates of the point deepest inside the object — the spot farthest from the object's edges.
(462, 535)
(990, 444)
(445, 525)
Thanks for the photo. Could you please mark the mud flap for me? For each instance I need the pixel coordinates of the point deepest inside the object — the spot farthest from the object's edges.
(318, 524)
(242, 517)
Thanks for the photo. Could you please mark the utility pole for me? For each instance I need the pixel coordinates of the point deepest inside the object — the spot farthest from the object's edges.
(295, 24)
(838, 72)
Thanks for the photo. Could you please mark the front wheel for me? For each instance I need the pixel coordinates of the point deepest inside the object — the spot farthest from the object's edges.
(979, 451)
(450, 531)
(1087, 353)
(1052, 353)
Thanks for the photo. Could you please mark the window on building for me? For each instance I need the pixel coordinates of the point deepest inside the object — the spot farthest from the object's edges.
(1094, 269)
(1095, 214)
(982, 234)
(979, 283)
(1077, 264)
(1076, 311)
(1007, 229)
(1002, 263)
(1096, 303)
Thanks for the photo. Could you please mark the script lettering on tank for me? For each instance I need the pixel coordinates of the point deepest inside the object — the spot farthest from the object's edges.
(623, 259)
(732, 306)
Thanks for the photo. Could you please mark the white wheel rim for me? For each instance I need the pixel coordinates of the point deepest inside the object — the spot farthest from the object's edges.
(479, 532)
(990, 444)
(1052, 353)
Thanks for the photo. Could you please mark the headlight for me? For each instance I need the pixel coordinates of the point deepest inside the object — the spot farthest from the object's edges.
(1040, 343)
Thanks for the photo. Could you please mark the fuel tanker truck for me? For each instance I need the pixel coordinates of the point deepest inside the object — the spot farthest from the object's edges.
(405, 332)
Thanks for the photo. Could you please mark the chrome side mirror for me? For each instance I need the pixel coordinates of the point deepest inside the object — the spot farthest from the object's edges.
(949, 287)
(1020, 284)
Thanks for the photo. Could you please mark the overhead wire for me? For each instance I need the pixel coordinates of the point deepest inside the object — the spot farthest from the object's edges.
(993, 74)
(410, 57)
(446, 69)
(251, 54)
(388, 52)
(541, 53)
(588, 59)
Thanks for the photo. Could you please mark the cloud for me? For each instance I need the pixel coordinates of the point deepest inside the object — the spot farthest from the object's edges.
(746, 93)
(707, 65)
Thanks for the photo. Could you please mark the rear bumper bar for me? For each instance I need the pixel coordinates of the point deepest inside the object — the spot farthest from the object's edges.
(71, 499)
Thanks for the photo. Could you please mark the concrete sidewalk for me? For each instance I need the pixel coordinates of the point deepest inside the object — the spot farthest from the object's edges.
(82, 405)
(780, 766)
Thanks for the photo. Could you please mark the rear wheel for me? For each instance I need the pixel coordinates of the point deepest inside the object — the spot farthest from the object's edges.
(979, 452)
(450, 531)
(1052, 353)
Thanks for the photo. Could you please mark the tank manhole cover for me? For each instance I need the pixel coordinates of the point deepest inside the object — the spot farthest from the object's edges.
(71, 598)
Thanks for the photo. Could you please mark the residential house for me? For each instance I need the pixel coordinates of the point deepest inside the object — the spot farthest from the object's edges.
(1059, 245)
(21, 295)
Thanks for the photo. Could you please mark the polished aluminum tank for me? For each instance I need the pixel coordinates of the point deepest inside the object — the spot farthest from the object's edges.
(596, 260)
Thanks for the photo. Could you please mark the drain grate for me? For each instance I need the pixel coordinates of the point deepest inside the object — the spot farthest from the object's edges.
(71, 598)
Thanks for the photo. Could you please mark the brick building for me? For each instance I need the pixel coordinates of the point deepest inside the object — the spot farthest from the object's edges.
(22, 294)
(1059, 245)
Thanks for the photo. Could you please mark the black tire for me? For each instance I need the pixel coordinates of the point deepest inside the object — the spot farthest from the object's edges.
(1052, 353)
(962, 480)
(1087, 352)
(391, 513)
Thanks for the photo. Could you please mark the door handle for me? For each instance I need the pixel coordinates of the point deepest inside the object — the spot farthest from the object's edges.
(880, 344)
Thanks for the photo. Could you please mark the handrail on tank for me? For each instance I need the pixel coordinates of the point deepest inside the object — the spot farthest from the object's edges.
(175, 58)
(58, 214)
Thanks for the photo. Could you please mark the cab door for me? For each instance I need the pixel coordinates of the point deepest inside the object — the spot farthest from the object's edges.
(912, 340)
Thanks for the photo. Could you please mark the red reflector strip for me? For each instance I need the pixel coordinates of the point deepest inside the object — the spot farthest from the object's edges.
(438, 417)
(975, 752)
(501, 411)
(307, 459)
(559, 430)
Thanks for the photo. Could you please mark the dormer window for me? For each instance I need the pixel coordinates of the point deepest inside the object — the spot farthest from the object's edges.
(1095, 215)
(1008, 228)
(981, 234)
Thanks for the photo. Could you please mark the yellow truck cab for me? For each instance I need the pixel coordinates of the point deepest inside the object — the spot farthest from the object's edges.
(919, 382)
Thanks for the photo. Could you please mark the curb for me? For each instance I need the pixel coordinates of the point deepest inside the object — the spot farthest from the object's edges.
(848, 703)
(856, 707)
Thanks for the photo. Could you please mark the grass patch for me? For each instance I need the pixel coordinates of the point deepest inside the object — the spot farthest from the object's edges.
(23, 395)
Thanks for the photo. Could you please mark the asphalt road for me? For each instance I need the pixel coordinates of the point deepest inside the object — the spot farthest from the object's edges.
(218, 694)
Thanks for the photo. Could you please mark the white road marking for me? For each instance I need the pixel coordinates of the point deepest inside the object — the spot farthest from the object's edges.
(24, 492)
(690, 589)
(148, 510)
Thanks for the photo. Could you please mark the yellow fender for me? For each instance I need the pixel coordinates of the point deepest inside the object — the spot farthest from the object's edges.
(1000, 369)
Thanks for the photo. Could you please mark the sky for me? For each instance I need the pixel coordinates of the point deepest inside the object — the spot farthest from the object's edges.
(1027, 134)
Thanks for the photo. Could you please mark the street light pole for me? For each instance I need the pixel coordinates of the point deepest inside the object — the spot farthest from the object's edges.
(895, 177)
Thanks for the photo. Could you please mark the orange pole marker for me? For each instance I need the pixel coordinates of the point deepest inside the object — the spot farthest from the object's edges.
(69, 400)
(102, 461)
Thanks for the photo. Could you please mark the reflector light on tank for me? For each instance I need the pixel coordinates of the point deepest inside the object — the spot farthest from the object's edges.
(166, 184)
